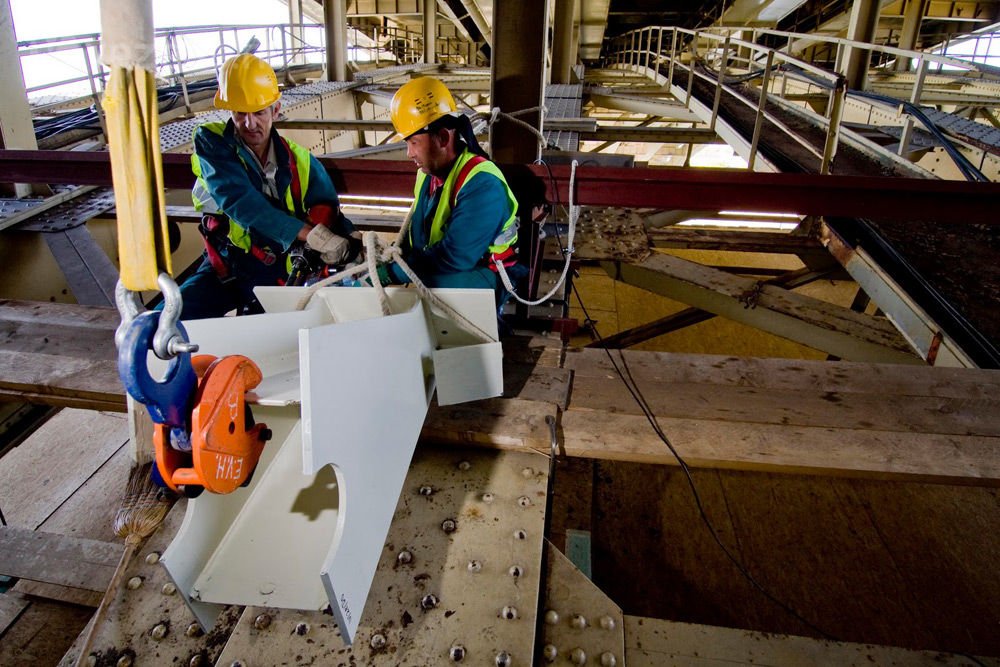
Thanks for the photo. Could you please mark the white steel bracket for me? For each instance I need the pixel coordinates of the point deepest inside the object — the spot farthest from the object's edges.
(309, 528)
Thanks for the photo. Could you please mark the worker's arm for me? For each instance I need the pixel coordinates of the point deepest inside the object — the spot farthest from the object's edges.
(321, 191)
(237, 196)
(480, 211)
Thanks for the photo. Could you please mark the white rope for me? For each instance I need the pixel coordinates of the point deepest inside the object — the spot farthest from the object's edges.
(574, 213)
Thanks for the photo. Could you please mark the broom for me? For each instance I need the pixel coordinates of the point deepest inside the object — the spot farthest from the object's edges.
(142, 510)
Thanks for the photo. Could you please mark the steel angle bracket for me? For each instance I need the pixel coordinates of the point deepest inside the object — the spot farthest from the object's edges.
(345, 393)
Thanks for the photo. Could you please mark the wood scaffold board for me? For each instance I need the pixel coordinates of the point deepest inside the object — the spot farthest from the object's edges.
(841, 419)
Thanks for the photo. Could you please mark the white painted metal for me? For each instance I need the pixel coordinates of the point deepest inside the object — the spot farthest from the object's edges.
(364, 382)
(912, 321)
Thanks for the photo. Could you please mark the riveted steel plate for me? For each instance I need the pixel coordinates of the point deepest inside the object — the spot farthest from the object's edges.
(607, 233)
(581, 625)
(146, 607)
(459, 574)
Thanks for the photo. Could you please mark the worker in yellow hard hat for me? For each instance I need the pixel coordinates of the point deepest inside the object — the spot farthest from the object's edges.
(464, 216)
(260, 195)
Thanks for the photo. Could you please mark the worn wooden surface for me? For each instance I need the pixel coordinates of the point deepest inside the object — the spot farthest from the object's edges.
(59, 354)
(865, 420)
(57, 559)
(899, 564)
(650, 643)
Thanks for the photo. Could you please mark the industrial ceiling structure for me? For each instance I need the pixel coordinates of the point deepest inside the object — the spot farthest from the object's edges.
(755, 420)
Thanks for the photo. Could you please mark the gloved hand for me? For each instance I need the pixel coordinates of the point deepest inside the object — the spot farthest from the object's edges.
(383, 276)
(332, 249)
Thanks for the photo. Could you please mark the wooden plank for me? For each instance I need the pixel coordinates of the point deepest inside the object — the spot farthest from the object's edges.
(57, 559)
(47, 468)
(876, 412)
(61, 380)
(811, 450)
(790, 374)
(58, 593)
(11, 606)
(42, 633)
(497, 422)
(818, 324)
(651, 642)
(536, 383)
(43, 313)
(740, 241)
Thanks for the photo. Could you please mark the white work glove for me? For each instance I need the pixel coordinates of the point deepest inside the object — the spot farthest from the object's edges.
(332, 249)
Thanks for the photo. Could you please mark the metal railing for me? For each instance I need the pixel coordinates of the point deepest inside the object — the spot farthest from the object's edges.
(70, 66)
(649, 48)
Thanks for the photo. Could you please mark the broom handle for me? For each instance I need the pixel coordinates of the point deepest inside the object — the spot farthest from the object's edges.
(131, 546)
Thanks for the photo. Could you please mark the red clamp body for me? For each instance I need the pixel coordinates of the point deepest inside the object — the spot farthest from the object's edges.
(225, 443)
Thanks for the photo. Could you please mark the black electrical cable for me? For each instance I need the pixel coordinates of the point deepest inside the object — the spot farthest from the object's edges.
(633, 389)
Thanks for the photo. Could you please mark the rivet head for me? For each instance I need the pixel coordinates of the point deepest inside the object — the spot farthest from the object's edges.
(262, 622)
(515, 571)
(134, 583)
(578, 622)
(503, 659)
(377, 641)
(457, 653)
(426, 490)
(193, 630)
(429, 602)
(197, 660)
(152, 558)
(608, 659)
(91, 661)
(488, 497)
(302, 629)
(159, 631)
(168, 588)
(578, 656)
(449, 526)
(464, 465)
(124, 661)
(551, 617)
(524, 501)
(527, 473)
(607, 623)
(475, 566)
(404, 557)
(550, 653)
(236, 663)
(520, 534)
(508, 612)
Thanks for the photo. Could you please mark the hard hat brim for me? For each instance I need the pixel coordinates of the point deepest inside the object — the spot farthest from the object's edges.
(223, 104)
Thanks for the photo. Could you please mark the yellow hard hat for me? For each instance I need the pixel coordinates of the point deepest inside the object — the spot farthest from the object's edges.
(418, 103)
(246, 83)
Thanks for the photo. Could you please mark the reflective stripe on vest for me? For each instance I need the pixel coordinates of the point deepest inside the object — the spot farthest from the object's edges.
(508, 233)
(294, 193)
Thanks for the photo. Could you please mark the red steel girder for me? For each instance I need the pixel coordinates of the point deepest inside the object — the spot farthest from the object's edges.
(692, 189)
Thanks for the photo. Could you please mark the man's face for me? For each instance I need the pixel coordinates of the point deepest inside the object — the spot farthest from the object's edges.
(429, 151)
(255, 128)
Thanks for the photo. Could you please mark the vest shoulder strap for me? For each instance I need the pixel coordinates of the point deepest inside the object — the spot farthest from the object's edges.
(296, 184)
(464, 174)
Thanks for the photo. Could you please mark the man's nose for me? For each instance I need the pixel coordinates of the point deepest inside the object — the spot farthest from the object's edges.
(409, 152)
(250, 121)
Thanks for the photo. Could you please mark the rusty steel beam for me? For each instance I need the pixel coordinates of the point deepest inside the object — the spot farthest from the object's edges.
(805, 194)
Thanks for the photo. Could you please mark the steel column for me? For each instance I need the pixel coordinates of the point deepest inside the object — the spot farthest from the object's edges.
(864, 22)
(335, 21)
(16, 130)
(562, 44)
(430, 31)
(518, 76)
(912, 15)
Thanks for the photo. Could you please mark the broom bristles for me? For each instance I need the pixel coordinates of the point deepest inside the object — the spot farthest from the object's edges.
(143, 507)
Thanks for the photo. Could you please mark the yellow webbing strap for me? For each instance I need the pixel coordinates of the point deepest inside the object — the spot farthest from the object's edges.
(137, 173)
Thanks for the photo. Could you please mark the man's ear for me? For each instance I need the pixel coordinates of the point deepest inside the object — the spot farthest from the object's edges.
(443, 136)
(276, 107)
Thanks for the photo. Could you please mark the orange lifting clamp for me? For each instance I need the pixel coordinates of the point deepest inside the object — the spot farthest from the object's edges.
(225, 443)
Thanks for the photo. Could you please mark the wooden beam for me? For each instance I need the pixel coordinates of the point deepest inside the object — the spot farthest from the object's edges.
(691, 316)
(820, 325)
(738, 241)
(58, 559)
